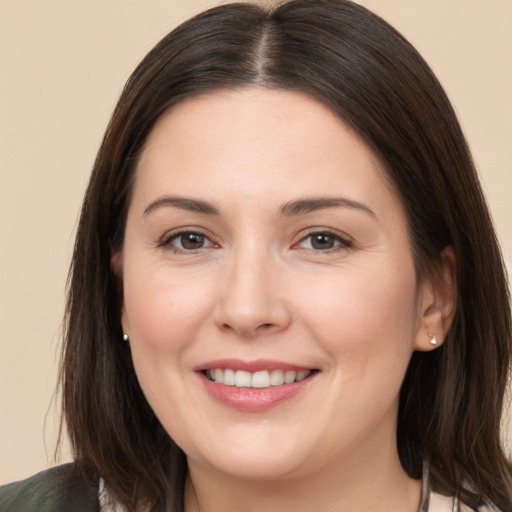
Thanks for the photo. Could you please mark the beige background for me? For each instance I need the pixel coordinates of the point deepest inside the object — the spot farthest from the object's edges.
(62, 67)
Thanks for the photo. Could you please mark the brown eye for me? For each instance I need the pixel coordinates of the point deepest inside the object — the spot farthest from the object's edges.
(188, 241)
(192, 241)
(323, 241)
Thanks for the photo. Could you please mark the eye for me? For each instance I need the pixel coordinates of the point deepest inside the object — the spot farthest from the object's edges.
(187, 241)
(323, 241)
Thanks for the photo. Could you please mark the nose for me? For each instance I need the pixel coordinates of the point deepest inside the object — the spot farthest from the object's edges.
(252, 299)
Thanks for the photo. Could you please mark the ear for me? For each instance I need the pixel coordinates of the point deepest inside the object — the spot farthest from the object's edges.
(437, 302)
(115, 263)
(117, 269)
(124, 322)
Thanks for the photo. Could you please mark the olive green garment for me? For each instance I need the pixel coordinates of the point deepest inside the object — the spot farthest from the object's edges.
(60, 489)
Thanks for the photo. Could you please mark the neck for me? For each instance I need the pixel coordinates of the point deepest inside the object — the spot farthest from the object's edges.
(378, 483)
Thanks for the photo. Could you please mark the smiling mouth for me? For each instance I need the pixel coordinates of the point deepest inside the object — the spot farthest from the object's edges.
(260, 380)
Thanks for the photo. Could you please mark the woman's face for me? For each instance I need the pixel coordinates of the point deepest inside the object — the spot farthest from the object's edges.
(270, 294)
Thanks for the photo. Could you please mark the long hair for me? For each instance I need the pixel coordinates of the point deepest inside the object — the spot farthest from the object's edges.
(352, 61)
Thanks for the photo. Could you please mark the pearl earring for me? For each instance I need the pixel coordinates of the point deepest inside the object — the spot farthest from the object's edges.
(126, 337)
(433, 339)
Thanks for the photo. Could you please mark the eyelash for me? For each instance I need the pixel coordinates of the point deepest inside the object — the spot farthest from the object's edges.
(339, 241)
(167, 241)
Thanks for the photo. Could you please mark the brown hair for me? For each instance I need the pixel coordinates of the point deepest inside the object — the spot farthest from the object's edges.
(354, 62)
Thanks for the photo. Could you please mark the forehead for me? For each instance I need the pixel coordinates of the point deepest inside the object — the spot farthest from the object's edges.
(253, 142)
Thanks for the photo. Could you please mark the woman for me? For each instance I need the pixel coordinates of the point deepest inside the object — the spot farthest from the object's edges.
(286, 291)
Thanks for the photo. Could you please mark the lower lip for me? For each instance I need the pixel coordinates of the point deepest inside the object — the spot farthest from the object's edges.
(254, 399)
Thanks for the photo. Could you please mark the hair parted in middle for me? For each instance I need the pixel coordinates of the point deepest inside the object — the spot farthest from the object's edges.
(361, 68)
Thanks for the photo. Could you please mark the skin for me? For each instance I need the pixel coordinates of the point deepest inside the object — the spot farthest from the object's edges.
(259, 288)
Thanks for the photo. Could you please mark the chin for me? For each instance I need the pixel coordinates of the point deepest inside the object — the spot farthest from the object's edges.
(252, 461)
(258, 469)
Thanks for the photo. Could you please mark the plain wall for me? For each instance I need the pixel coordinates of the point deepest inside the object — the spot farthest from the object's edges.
(62, 66)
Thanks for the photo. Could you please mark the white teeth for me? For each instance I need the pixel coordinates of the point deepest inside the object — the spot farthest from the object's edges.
(289, 377)
(277, 378)
(262, 379)
(242, 379)
(229, 378)
(302, 375)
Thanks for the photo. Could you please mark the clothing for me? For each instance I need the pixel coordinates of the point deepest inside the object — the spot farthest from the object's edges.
(62, 489)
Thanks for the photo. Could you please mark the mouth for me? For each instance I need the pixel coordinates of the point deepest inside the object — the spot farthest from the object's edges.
(259, 379)
(255, 386)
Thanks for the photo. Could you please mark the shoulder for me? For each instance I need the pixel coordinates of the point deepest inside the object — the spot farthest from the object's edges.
(440, 503)
(58, 489)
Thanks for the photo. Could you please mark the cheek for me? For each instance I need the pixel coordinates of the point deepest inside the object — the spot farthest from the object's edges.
(162, 311)
(363, 312)
(164, 316)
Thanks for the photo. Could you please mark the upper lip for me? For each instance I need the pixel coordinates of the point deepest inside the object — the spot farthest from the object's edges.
(257, 365)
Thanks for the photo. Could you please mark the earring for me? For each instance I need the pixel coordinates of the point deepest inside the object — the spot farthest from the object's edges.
(433, 339)
(126, 337)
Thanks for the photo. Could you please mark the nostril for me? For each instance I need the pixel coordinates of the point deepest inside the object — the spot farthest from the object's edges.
(269, 326)
(266, 326)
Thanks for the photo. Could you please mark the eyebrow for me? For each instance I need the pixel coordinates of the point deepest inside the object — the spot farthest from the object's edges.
(298, 207)
(183, 203)
(308, 205)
